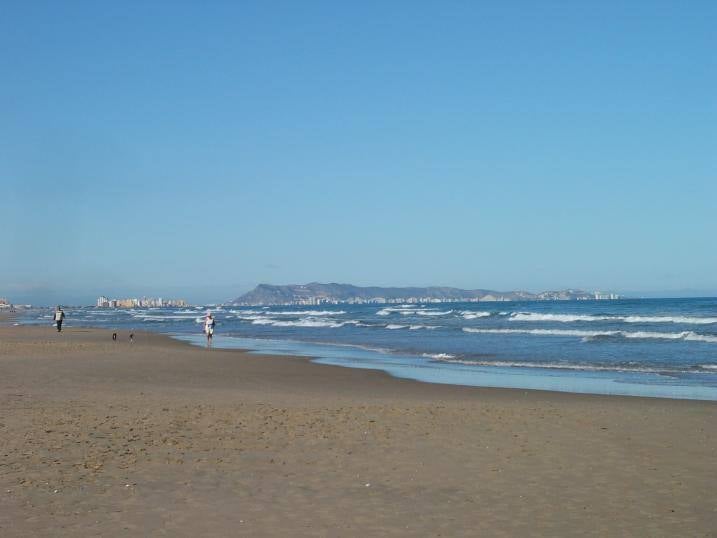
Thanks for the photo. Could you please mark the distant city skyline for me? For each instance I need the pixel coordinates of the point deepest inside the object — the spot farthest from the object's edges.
(197, 150)
(87, 298)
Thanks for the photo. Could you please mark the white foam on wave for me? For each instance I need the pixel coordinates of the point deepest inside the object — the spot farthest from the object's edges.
(405, 309)
(543, 332)
(260, 320)
(439, 356)
(308, 313)
(309, 322)
(469, 314)
(152, 317)
(570, 318)
(684, 335)
(562, 366)
(304, 322)
(253, 317)
(687, 320)
(564, 318)
(430, 312)
(395, 326)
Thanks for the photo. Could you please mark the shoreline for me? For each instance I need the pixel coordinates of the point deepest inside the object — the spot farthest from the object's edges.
(315, 361)
(163, 437)
(597, 382)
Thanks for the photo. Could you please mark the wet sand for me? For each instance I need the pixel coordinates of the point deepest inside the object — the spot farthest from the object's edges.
(7, 315)
(159, 438)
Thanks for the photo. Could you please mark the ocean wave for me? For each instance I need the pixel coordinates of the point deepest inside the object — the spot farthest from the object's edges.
(430, 312)
(469, 314)
(568, 366)
(304, 322)
(687, 320)
(403, 309)
(564, 318)
(587, 335)
(395, 326)
(151, 317)
(570, 318)
(253, 317)
(439, 356)
(309, 322)
(307, 313)
(260, 320)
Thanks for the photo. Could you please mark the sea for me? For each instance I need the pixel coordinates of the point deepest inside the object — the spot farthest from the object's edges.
(663, 348)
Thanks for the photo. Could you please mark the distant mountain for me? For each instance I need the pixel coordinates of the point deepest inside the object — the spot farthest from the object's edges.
(317, 293)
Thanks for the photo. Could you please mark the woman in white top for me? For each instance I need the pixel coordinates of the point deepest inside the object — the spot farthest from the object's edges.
(209, 324)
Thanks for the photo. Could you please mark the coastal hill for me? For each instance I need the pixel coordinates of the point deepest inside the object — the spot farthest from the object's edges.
(318, 293)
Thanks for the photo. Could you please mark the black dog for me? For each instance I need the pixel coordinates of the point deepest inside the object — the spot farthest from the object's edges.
(114, 336)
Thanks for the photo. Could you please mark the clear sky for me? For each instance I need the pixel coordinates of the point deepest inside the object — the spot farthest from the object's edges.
(194, 149)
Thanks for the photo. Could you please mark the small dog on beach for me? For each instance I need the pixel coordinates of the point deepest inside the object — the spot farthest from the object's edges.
(114, 337)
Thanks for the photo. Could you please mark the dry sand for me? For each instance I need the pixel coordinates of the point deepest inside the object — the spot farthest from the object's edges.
(159, 438)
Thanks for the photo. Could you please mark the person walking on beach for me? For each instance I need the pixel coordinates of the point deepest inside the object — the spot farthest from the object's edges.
(209, 324)
(59, 318)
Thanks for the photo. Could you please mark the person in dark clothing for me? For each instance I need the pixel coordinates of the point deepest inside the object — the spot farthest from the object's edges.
(59, 318)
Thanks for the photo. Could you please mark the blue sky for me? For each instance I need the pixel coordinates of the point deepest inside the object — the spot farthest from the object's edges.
(178, 148)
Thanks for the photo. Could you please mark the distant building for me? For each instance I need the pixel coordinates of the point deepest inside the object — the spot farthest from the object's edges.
(144, 302)
(600, 296)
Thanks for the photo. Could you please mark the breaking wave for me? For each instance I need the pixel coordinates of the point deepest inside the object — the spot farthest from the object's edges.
(647, 369)
(308, 313)
(304, 322)
(394, 326)
(468, 314)
(260, 320)
(588, 335)
(687, 320)
(310, 322)
(151, 317)
(446, 357)
(569, 318)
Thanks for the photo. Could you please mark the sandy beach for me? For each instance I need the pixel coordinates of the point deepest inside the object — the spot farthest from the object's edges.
(153, 438)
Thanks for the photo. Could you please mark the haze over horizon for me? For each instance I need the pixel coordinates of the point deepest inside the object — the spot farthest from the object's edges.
(194, 151)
